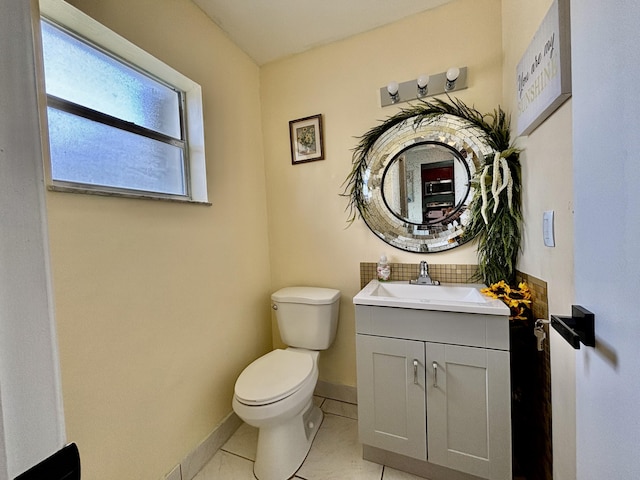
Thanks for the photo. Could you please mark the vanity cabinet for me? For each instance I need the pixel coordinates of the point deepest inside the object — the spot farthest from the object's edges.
(434, 386)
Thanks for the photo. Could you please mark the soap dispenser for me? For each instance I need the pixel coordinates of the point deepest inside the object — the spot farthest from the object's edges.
(383, 270)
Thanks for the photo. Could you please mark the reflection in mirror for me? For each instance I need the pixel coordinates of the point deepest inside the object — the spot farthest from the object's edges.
(416, 188)
(426, 183)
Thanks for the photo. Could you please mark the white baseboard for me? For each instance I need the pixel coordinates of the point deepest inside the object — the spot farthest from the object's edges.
(343, 393)
(189, 467)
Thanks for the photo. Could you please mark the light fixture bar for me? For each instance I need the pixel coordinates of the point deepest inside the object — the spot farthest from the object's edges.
(408, 91)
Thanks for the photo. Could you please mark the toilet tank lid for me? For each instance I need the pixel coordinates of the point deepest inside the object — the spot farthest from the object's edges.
(308, 295)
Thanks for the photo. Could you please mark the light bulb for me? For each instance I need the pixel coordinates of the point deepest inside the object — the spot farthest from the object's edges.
(452, 76)
(453, 73)
(392, 88)
(423, 80)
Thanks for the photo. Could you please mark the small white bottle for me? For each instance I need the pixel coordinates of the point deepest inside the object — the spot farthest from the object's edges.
(383, 269)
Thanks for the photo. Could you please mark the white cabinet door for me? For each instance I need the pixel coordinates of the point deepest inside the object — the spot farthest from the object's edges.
(468, 399)
(391, 395)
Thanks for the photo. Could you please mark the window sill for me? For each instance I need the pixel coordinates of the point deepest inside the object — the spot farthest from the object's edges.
(142, 196)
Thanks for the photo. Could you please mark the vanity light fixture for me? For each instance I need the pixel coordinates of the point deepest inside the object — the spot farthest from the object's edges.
(452, 76)
(424, 86)
(392, 90)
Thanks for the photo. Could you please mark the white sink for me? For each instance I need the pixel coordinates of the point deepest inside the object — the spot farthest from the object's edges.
(453, 297)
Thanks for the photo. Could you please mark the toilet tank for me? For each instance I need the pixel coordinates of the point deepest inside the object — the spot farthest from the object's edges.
(307, 316)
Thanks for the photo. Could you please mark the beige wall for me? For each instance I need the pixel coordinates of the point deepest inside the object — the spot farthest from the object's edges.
(547, 171)
(160, 305)
(309, 239)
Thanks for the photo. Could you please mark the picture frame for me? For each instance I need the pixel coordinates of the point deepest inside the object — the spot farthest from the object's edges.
(306, 138)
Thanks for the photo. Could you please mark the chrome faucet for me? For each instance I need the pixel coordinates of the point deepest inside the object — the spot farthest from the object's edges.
(424, 269)
(423, 276)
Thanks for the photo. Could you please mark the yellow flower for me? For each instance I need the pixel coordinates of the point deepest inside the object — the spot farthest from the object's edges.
(488, 292)
(517, 299)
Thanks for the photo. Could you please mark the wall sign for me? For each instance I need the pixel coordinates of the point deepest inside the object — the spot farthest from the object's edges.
(543, 75)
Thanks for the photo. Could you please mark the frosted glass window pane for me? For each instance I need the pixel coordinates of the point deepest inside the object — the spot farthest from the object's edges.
(79, 73)
(89, 152)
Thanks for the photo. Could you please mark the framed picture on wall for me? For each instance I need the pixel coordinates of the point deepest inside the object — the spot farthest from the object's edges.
(306, 139)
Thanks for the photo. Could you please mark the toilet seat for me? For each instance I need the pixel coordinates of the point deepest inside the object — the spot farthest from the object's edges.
(272, 377)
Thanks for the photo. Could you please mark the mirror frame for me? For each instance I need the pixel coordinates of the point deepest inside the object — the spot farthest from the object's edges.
(495, 212)
(452, 131)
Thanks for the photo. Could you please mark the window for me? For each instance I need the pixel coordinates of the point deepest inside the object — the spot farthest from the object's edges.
(131, 126)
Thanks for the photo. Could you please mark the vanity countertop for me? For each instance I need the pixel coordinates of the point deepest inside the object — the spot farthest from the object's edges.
(452, 297)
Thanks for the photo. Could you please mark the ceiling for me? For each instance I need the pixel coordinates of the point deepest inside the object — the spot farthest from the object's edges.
(271, 29)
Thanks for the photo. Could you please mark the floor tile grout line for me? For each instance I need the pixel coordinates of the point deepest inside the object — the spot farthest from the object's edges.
(222, 449)
(338, 415)
(341, 401)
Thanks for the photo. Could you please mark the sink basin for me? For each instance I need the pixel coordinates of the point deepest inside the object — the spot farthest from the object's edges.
(454, 297)
(430, 292)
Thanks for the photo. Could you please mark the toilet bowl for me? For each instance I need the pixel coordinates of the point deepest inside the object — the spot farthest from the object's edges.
(275, 392)
(285, 416)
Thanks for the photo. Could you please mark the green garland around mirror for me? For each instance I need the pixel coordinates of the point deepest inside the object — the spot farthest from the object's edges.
(495, 214)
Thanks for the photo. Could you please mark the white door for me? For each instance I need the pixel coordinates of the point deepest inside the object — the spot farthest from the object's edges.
(32, 425)
(391, 396)
(469, 409)
(606, 122)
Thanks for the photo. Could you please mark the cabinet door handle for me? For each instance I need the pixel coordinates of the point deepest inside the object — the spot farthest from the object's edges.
(415, 371)
(435, 375)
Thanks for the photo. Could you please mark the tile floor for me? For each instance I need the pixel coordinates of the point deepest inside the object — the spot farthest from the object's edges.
(335, 453)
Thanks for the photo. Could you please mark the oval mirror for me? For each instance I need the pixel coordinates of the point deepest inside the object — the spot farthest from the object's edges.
(426, 184)
(417, 184)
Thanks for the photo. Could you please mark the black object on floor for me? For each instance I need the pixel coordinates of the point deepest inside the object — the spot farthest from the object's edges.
(62, 465)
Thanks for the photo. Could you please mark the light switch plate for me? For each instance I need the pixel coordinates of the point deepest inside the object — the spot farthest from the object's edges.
(547, 229)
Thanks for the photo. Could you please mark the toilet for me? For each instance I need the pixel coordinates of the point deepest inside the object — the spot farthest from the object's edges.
(275, 392)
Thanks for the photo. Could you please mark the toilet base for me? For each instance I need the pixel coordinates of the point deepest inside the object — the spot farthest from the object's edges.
(283, 447)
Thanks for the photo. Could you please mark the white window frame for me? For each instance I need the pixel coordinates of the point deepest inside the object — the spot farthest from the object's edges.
(84, 26)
